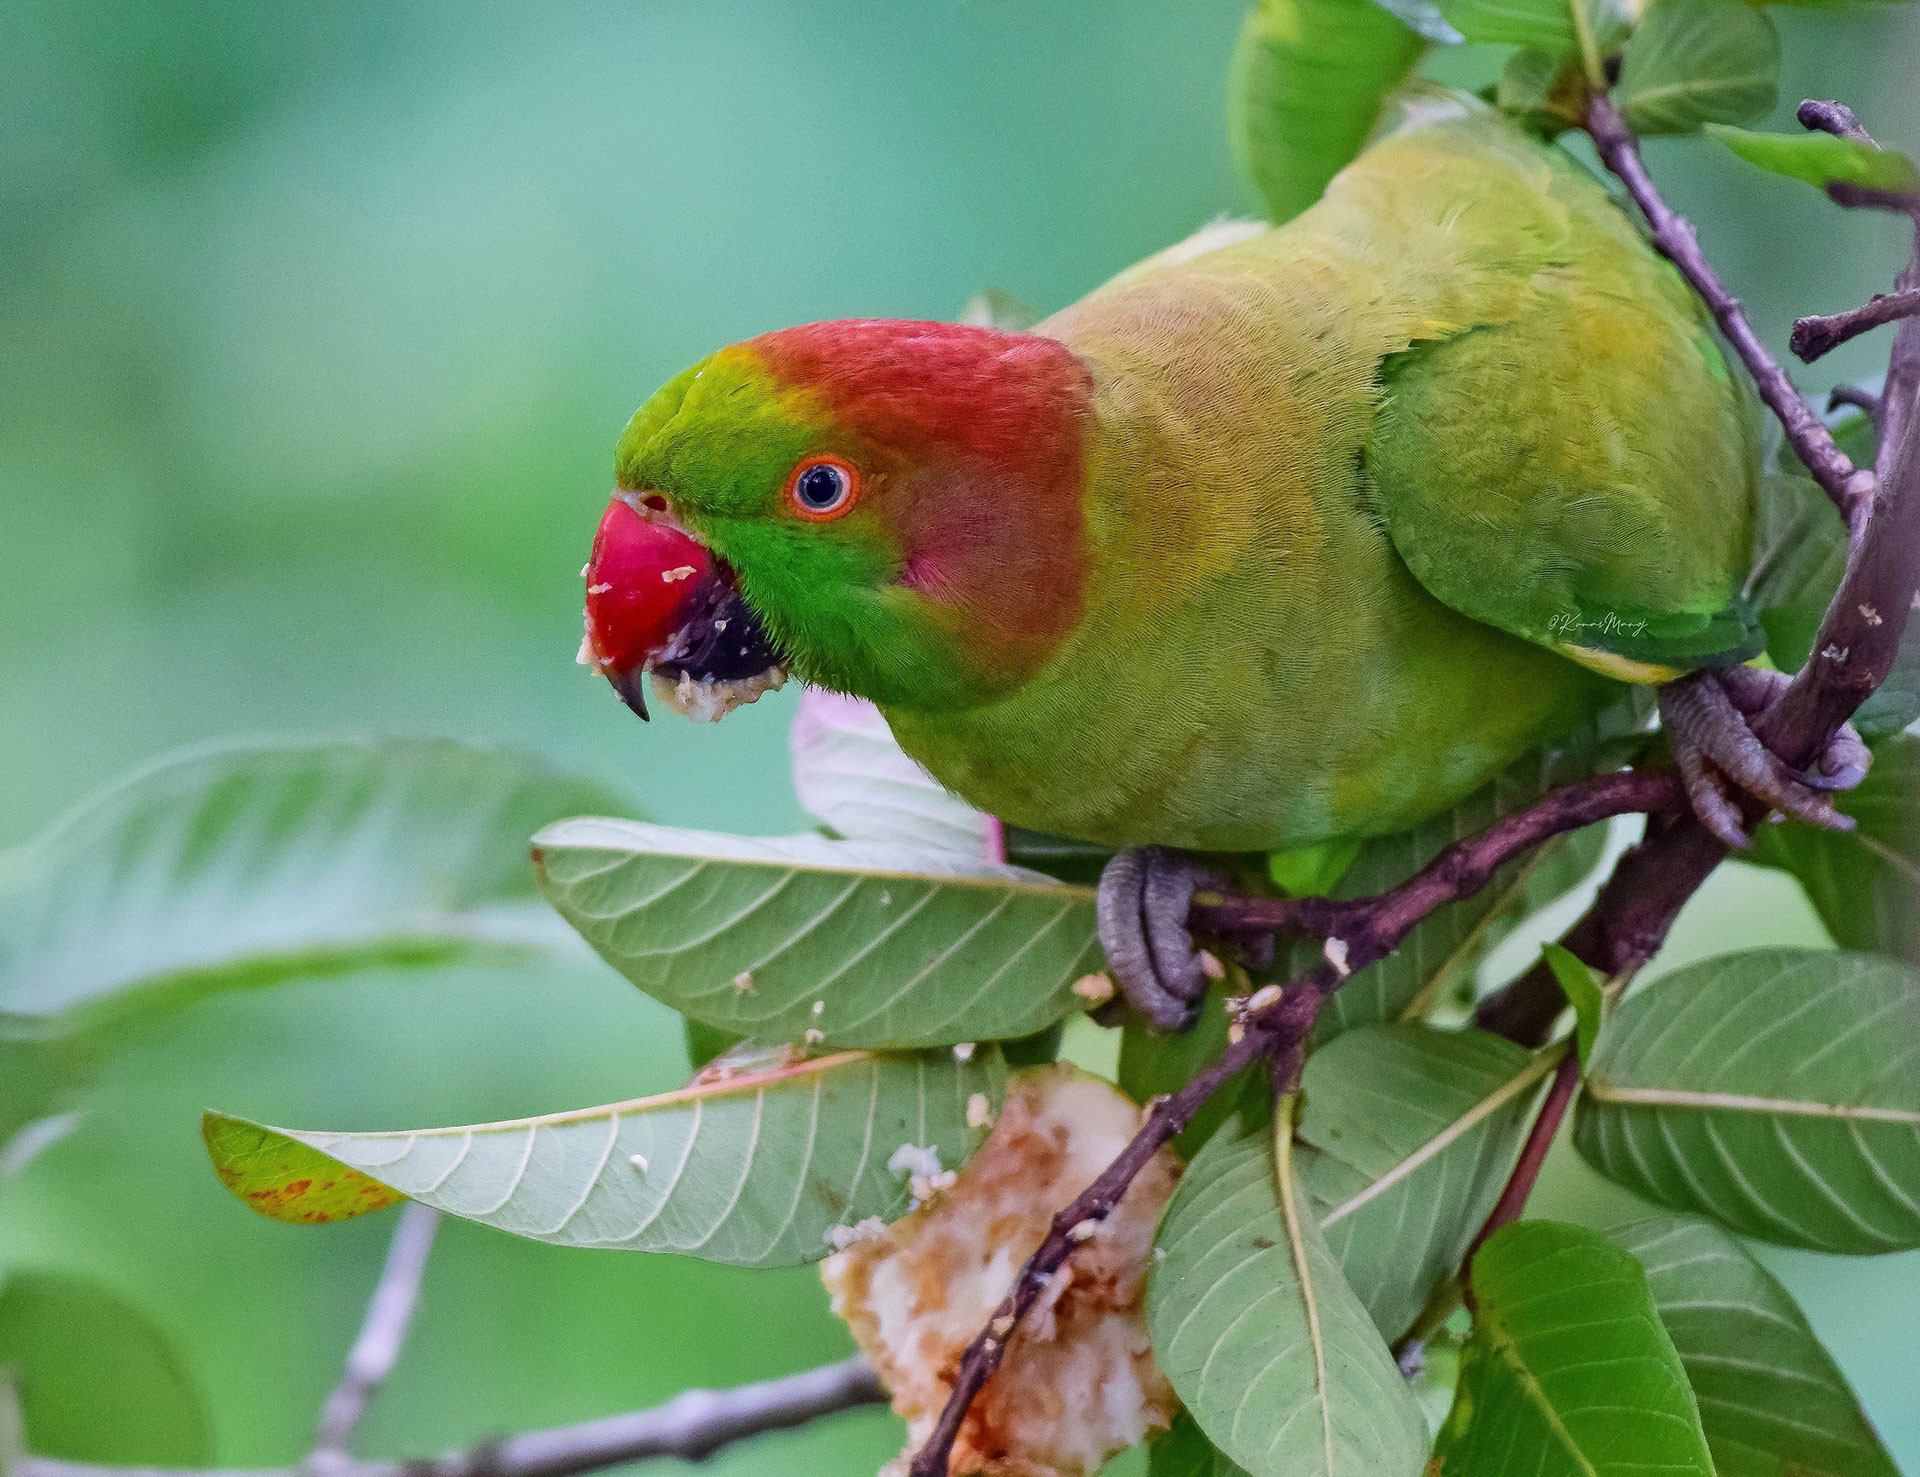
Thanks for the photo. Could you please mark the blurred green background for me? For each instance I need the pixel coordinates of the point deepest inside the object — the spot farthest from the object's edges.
(317, 324)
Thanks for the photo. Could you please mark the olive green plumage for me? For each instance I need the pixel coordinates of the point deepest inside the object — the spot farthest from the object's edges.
(1374, 501)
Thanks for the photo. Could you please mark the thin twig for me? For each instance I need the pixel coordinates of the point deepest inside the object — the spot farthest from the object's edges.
(1822, 333)
(382, 1334)
(1459, 871)
(1835, 118)
(689, 1426)
(1359, 933)
(1673, 236)
(1533, 1154)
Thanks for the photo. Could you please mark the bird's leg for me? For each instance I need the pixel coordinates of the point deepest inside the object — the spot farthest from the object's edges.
(1706, 715)
(1143, 900)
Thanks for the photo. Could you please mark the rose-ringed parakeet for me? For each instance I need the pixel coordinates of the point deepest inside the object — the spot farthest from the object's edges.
(1286, 535)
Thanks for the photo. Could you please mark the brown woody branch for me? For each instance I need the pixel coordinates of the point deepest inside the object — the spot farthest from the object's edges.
(1850, 487)
(1823, 333)
(690, 1426)
(1358, 933)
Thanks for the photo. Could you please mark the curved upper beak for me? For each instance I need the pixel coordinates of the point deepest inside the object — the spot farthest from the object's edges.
(658, 602)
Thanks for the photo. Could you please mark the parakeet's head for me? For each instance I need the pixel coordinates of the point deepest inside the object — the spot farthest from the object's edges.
(891, 509)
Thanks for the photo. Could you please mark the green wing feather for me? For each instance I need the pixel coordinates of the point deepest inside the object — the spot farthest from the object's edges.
(1615, 536)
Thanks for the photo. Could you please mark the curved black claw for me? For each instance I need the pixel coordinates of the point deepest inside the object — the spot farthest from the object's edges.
(1142, 913)
(1706, 718)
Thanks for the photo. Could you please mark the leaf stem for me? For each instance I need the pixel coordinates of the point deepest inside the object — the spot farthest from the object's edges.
(1526, 1169)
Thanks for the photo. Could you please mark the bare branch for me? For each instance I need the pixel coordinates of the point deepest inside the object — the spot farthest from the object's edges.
(382, 1334)
(1673, 236)
(1823, 333)
(690, 1426)
(1533, 1154)
(1855, 396)
(1834, 118)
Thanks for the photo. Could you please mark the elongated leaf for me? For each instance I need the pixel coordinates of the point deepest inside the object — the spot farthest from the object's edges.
(1308, 84)
(1584, 994)
(1407, 1137)
(1182, 1450)
(1799, 554)
(1569, 1372)
(1260, 1335)
(253, 864)
(97, 1381)
(1690, 62)
(849, 772)
(1864, 883)
(1545, 24)
(1823, 160)
(897, 946)
(1777, 1091)
(1442, 951)
(750, 1170)
(1771, 1399)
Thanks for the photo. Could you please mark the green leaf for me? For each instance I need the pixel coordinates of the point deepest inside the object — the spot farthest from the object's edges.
(1771, 1399)
(1777, 1091)
(987, 308)
(1182, 1450)
(1544, 24)
(1312, 871)
(1569, 1372)
(851, 775)
(1863, 882)
(1823, 160)
(248, 865)
(1407, 1137)
(751, 1170)
(1423, 18)
(1583, 993)
(1306, 90)
(1690, 62)
(1544, 86)
(97, 1381)
(898, 946)
(1258, 1332)
(1443, 950)
(1799, 554)
(1896, 704)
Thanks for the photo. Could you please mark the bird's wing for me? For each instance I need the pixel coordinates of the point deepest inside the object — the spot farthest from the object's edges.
(1570, 460)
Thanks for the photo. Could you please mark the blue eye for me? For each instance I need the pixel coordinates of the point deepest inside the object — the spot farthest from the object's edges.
(823, 487)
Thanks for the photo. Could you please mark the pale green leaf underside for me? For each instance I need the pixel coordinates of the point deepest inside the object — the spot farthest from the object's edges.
(1260, 1335)
(248, 864)
(1776, 1091)
(1864, 883)
(1569, 1372)
(851, 775)
(1691, 62)
(1407, 1137)
(1771, 1399)
(751, 1172)
(900, 946)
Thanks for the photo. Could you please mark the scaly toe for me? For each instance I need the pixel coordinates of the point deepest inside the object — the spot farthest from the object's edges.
(1142, 916)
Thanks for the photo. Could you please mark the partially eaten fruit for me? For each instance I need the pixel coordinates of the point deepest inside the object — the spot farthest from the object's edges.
(659, 604)
(1079, 1382)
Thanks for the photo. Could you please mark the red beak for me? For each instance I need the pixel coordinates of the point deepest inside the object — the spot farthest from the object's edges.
(659, 602)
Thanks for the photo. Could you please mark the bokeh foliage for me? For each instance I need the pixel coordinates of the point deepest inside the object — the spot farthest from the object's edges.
(320, 324)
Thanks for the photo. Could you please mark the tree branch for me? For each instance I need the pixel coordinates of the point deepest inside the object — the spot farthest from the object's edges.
(1823, 333)
(1533, 1154)
(1674, 237)
(382, 1335)
(690, 1426)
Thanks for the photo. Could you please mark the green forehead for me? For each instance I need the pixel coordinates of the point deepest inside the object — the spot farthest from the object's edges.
(721, 434)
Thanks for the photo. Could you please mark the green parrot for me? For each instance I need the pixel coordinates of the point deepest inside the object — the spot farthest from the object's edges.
(1288, 535)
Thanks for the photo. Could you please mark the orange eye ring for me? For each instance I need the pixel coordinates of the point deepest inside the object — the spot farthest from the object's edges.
(822, 488)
